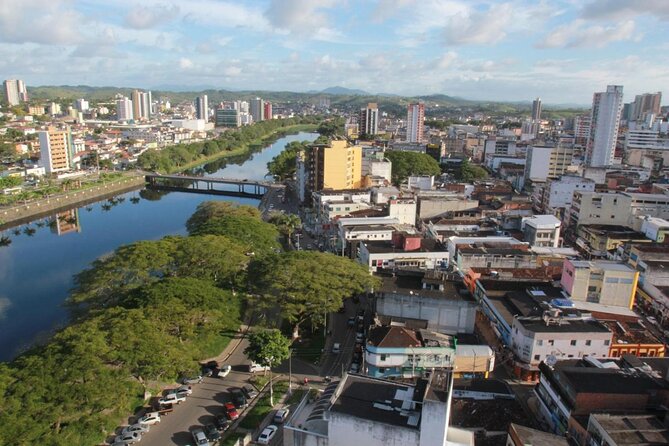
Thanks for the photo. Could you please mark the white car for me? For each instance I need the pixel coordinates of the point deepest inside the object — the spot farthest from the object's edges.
(224, 371)
(200, 438)
(281, 415)
(150, 419)
(267, 434)
(138, 427)
(336, 348)
(253, 367)
(129, 438)
(172, 398)
(183, 390)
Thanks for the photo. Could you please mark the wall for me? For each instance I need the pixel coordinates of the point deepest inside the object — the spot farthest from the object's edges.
(443, 315)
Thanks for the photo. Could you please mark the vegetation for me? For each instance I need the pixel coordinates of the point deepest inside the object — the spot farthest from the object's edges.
(283, 165)
(286, 223)
(332, 127)
(406, 164)
(8, 182)
(267, 347)
(257, 414)
(181, 156)
(307, 284)
(471, 172)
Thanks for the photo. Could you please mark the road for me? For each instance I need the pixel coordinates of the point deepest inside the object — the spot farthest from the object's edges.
(202, 406)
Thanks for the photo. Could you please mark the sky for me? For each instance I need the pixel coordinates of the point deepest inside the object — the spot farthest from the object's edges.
(515, 50)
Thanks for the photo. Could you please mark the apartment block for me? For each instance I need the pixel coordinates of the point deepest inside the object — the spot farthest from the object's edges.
(545, 163)
(557, 194)
(541, 230)
(601, 282)
(615, 208)
(55, 149)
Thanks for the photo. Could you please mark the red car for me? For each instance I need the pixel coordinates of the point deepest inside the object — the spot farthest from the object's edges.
(231, 411)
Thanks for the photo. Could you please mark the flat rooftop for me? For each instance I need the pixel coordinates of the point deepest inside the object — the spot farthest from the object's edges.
(412, 285)
(637, 430)
(602, 264)
(383, 247)
(565, 325)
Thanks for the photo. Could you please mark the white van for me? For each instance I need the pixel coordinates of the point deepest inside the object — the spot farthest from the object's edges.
(253, 368)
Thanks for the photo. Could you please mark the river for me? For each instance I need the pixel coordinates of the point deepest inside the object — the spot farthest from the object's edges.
(38, 266)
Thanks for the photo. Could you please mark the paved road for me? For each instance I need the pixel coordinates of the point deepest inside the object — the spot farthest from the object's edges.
(202, 406)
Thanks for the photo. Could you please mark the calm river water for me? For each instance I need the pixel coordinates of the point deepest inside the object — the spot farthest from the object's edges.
(37, 268)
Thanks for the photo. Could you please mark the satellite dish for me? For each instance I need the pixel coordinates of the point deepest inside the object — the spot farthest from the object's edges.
(551, 360)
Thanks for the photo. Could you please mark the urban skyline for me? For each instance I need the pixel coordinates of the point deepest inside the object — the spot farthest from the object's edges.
(504, 51)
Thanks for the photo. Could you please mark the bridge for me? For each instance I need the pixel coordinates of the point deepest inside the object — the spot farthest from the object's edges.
(210, 185)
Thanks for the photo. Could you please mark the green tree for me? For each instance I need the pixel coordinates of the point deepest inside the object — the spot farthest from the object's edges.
(283, 165)
(211, 257)
(268, 348)
(471, 172)
(209, 210)
(307, 284)
(286, 223)
(258, 236)
(406, 164)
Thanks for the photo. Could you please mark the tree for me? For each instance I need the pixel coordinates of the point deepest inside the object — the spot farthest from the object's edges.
(259, 237)
(268, 348)
(307, 284)
(287, 223)
(406, 164)
(283, 165)
(471, 172)
(209, 210)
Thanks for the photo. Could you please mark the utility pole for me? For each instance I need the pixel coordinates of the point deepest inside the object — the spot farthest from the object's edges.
(290, 371)
(271, 387)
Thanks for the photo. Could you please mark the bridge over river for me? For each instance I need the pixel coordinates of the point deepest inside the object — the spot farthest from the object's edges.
(210, 185)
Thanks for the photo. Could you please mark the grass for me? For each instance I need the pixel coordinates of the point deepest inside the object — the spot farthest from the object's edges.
(310, 349)
(232, 439)
(258, 413)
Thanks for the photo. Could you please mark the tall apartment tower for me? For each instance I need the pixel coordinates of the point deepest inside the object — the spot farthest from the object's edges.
(645, 104)
(267, 110)
(202, 107)
(369, 119)
(335, 166)
(15, 91)
(536, 109)
(415, 118)
(124, 109)
(141, 105)
(607, 108)
(257, 109)
(55, 149)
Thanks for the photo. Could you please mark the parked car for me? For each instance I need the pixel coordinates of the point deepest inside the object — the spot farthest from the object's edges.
(212, 433)
(336, 348)
(351, 321)
(200, 438)
(172, 398)
(231, 411)
(355, 368)
(253, 368)
(281, 415)
(137, 427)
(249, 391)
(224, 371)
(197, 379)
(238, 398)
(267, 434)
(184, 390)
(149, 418)
(129, 438)
(222, 422)
(359, 336)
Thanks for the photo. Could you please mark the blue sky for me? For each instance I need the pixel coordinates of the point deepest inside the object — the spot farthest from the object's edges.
(561, 50)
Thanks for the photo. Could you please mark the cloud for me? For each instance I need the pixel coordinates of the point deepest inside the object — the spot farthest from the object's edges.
(299, 16)
(232, 71)
(479, 27)
(579, 33)
(145, 17)
(386, 9)
(185, 63)
(50, 22)
(445, 61)
(625, 9)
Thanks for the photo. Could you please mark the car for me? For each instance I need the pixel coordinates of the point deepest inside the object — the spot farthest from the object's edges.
(351, 321)
(253, 367)
(355, 368)
(249, 391)
(149, 418)
(336, 348)
(238, 398)
(200, 438)
(267, 434)
(281, 415)
(196, 379)
(212, 433)
(224, 371)
(183, 390)
(171, 398)
(137, 427)
(222, 422)
(359, 336)
(129, 438)
(231, 411)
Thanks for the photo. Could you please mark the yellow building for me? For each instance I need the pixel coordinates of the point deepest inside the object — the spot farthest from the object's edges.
(55, 149)
(335, 166)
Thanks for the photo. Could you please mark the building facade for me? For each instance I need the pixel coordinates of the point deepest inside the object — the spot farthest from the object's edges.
(601, 282)
(369, 119)
(55, 150)
(415, 119)
(605, 119)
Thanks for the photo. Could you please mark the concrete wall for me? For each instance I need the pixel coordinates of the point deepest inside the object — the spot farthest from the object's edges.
(443, 315)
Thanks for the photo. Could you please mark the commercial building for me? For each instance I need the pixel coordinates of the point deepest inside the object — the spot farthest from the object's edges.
(605, 119)
(267, 110)
(557, 194)
(626, 430)
(603, 241)
(369, 119)
(536, 109)
(55, 149)
(257, 109)
(415, 118)
(601, 282)
(618, 208)
(81, 105)
(545, 163)
(15, 91)
(645, 104)
(124, 109)
(541, 230)
(202, 108)
(402, 252)
(229, 118)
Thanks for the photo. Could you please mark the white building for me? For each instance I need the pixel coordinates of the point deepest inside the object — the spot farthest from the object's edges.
(605, 119)
(654, 228)
(545, 163)
(124, 109)
(382, 168)
(421, 182)
(541, 230)
(202, 108)
(403, 209)
(415, 118)
(81, 105)
(557, 194)
(409, 252)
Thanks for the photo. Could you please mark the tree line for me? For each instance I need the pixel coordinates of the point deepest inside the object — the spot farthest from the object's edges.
(150, 311)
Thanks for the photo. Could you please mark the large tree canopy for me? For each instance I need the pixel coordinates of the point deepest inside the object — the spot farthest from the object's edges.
(283, 165)
(406, 164)
(307, 284)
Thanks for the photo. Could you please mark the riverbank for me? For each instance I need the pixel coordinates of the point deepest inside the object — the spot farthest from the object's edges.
(24, 213)
(246, 148)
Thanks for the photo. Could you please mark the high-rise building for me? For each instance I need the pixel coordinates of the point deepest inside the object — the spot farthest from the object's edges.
(267, 110)
(607, 108)
(202, 107)
(644, 104)
(15, 91)
(54, 109)
(124, 109)
(228, 117)
(536, 109)
(81, 105)
(55, 149)
(415, 118)
(369, 119)
(257, 109)
(141, 105)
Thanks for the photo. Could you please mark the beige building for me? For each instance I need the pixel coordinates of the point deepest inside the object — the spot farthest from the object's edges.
(600, 282)
(617, 208)
(335, 166)
(55, 149)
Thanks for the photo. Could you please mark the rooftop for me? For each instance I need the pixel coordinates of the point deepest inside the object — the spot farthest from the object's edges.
(564, 325)
(602, 264)
(529, 436)
(638, 430)
(542, 221)
(409, 283)
(382, 247)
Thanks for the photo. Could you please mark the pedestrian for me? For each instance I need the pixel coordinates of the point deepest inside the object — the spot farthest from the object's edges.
(306, 380)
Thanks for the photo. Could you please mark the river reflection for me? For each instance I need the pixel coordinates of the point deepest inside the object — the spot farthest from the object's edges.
(38, 260)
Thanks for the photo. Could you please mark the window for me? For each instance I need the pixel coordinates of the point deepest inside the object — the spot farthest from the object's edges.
(607, 342)
(573, 342)
(382, 370)
(540, 342)
(588, 342)
(383, 357)
(551, 342)
(537, 357)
